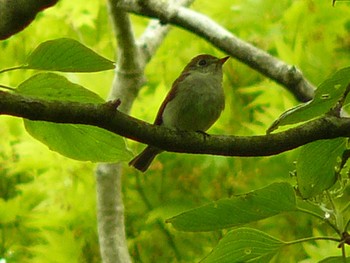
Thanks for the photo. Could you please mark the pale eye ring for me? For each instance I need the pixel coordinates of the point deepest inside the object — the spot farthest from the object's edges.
(202, 62)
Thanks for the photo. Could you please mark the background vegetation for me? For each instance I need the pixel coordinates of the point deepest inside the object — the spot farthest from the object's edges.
(47, 202)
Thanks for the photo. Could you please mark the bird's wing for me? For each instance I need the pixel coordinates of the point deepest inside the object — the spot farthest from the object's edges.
(169, 97)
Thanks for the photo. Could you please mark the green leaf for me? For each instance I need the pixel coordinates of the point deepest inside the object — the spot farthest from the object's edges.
(316, 166)
(326, 96)
(79, 142)
(50, 86)
(62, 244)
(245, 245)
(67, 55)
(266, 202)
(334, 260)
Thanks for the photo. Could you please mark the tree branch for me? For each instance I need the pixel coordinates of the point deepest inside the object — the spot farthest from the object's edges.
(18, 14)
(106, 117)
(284, 74)
(110, 214)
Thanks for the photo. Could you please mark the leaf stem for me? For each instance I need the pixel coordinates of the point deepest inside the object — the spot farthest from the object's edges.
(331, 201)
(321, 218)
(13, 68)
(338, 217)
(343, 252)
(6, 87)
(346, 207)
(306, 239)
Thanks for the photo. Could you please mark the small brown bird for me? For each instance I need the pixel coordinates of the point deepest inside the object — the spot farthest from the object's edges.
(194, 102)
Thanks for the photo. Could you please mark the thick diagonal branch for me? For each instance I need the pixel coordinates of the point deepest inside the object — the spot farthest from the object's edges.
(106, 117)
(284, 74)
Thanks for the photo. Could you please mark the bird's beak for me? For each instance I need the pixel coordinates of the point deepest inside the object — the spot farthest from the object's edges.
(223, 60)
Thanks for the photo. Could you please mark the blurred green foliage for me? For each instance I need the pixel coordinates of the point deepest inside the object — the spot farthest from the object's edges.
(47, 202)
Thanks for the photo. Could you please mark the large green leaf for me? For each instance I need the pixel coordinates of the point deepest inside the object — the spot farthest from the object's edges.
(316, 166)
(266, 202)
(50, 86)
(326, 96)
(67, 55)
(80, 142)
(245, 245)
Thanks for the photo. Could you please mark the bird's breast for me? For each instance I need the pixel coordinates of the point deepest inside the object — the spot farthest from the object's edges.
(196, 106)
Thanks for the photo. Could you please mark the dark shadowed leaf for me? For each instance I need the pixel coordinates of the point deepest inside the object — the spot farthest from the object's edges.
(316, 166)
(67, 55)
(266, 202)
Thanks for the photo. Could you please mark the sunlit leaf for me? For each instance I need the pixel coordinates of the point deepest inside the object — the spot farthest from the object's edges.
(244, 245)
(266, 202)
(80, 142)
(67, 55)
(9, 210)
(62, 244)
(316, 166)
(51, 86)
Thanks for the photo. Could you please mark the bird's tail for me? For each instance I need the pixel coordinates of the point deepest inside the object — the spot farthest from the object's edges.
(142, 161)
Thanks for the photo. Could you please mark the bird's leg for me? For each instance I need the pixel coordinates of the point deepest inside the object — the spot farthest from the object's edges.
(205, 135)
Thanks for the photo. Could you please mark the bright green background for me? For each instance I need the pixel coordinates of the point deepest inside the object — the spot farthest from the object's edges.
(47, 202)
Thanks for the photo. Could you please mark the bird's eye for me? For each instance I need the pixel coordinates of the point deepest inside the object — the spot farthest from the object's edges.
(202, 62)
